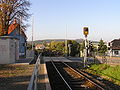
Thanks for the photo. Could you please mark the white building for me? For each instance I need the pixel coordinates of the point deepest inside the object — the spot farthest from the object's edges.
(114, 48)
(9, 49)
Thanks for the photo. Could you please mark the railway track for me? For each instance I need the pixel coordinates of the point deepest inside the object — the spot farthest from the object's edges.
(64, 77)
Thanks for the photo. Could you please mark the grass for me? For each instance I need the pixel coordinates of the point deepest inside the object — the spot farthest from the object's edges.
(15, 76)
(12, 70)
(111, 73)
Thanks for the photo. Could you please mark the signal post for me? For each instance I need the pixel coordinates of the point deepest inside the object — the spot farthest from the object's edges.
(85, 32)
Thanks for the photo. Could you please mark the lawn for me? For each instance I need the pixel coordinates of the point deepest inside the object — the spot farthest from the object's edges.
(111, 73)
(15, 76)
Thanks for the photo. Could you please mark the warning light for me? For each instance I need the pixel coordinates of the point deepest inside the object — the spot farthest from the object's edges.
(86, 31)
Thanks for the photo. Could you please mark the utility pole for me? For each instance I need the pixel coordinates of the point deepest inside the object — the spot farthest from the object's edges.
(66, 42)
(32, 32)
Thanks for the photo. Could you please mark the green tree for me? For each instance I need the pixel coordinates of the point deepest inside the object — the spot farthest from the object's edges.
(102, 47)
(10, 10)
(44, 43)
(53, 45)
(57, 47)
(75, 47)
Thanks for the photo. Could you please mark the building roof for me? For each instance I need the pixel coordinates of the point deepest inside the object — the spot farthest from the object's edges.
(13, 26)
(39, 46)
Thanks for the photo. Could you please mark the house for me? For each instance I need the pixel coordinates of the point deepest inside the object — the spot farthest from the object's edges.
(39, 46)
(114, 47)
(15, 31)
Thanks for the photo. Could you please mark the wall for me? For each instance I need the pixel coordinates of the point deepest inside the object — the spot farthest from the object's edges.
(114, 54)
(22, 45)
(9, 48)
(22, 41)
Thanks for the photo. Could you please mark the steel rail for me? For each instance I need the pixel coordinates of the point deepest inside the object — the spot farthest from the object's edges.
(61, 75)
(84, 76)
(81, 74)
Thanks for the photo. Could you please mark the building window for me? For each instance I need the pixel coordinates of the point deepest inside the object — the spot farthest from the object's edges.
(116, 52)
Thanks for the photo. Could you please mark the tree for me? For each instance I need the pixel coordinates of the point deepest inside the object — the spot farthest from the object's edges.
(10, 10)
(75, 47)
(102, 47)
(57, 47)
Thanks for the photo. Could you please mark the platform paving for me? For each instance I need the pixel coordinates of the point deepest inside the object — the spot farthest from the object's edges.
(43, 80)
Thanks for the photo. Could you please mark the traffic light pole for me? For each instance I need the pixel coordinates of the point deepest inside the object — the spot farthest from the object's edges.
(85, 52)
(85, 32)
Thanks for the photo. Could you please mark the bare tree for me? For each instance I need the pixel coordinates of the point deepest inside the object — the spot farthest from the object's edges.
(10, 10)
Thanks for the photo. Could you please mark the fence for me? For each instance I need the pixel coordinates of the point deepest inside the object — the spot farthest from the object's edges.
(109, 60)
(33, 81)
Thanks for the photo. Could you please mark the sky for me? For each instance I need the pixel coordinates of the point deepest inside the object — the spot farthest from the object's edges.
(53, 19)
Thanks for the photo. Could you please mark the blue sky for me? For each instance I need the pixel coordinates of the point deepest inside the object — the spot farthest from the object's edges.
(51, 16)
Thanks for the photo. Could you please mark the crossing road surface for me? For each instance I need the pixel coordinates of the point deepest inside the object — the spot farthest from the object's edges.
(68, 59)
(57, 59)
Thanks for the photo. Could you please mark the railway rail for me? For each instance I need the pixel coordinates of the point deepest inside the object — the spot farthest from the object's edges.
(64, 77)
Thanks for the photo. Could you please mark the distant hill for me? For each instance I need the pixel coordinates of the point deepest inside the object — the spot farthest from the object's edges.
(49, 40)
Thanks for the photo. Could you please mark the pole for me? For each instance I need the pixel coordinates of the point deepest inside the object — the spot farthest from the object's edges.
(66, 42)
(32, 32)
(69, 49)
(85, 32)
(85, 52)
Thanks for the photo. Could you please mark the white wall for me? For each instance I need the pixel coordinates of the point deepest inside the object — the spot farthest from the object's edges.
(9, 48)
